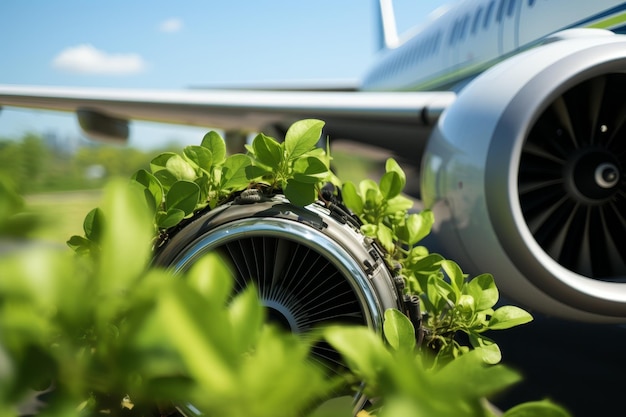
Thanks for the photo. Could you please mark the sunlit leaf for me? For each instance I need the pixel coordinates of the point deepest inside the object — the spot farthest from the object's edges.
(302, 136)
(351, 198)
(488, 350)
(180, 168)
(267, 151)
(310, 169)
(455, 274)
(152, 185)
(234, 174)
(246, 318)
(183, 195)
(207, 359)
(385, 237)
(398, 203)
(199, 156)
(390, 184)
(160, 161)
(508, 316)
(392, 166)
(362, 349)
(126, 240)
(419, 226)
(211, 278)
(483, 289)
(399, 331)
(214, 143)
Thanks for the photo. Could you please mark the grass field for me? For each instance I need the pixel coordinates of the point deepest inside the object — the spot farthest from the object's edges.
(62, 212)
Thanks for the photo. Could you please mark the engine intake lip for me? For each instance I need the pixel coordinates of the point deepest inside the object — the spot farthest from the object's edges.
(566, 176)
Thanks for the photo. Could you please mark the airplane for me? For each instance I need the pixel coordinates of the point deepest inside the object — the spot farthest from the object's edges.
(511, 112)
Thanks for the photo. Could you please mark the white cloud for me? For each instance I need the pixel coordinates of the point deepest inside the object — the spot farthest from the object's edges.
(86, 59)
(171, 25)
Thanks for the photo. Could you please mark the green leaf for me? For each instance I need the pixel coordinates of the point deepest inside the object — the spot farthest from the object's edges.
(455, 274)
(508, 316)
(152, 185)
(483, 380)
(180, 168)
(351, 198)
(390, 184)
(183, 196)
(165, 220)
(185, 323)
(234, 172)
(310, 169)
(369, 230)
(211, 278)
(488, 350)
(302, 136)
(385, 237)
(543, 408)
(165, 178)
(300, 193)
(419, 225)
(159, 162)
(483, 289)
(125, 247)
(214, 143)
(398, 203)
(392, 166)
(399, 331)
(267, 151)
(246, 318)
(362, 349)
(199, 156)
(80, 244)
(93, 225)
(258, 173)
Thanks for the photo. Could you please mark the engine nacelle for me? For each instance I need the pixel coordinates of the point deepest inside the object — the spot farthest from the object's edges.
(526, 175)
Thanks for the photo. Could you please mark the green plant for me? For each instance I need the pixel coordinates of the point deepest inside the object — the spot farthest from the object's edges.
(295, 166)
(115, 336)
(452, 302)
(178, 186)
(403, 383)
(111, 334)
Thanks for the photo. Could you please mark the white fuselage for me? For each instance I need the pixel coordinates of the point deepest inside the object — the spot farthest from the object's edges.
(473, 35)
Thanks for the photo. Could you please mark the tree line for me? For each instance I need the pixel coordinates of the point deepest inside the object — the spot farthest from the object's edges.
(34, 166)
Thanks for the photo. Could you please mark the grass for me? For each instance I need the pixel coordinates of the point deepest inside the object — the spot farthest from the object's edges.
(62, 212)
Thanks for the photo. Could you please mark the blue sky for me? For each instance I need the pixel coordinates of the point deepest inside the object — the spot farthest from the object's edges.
(167, 44)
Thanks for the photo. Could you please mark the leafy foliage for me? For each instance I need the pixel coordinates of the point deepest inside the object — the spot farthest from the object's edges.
(107, 329)
(295, 166)
(177, 186)
(452, 302)
(114, 336)
(113, 331)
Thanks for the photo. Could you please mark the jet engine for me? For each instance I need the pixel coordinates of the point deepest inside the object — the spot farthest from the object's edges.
(526, 175)
(311, 265)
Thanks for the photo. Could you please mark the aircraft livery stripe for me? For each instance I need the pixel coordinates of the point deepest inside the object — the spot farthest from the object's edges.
(610, 22)
(608, 15)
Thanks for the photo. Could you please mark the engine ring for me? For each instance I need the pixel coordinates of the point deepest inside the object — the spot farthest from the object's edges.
(309, 266)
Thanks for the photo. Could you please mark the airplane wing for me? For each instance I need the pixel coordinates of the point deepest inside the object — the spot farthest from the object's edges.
(399, 121)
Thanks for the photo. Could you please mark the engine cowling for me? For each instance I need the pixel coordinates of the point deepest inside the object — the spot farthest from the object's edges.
(310, 265)
(526, 175)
